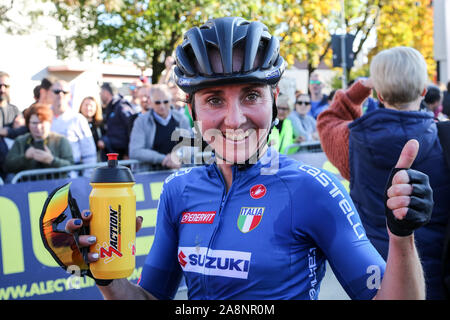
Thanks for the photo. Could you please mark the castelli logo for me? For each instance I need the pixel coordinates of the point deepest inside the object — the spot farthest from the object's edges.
(258, 191)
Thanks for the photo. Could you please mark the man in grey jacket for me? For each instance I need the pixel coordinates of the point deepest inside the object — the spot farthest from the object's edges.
(151, 137)
(9, 113)
(11, 121)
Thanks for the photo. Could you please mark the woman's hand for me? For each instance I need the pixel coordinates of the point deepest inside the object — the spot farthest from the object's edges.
(73, 225)
(409, 198)
(44, 156)
(29, 154)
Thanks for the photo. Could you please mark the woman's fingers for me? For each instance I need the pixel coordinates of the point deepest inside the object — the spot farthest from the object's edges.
(87, 240)
(92, 256)
(73, 225)
(86, 216)
(399, 206)
(400, 190)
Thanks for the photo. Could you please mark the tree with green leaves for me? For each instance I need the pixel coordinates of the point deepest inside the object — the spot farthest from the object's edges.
(407, 23)
(307, 27)
(145, 32)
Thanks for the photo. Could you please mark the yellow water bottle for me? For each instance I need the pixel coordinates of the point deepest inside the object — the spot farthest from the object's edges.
(113, 205)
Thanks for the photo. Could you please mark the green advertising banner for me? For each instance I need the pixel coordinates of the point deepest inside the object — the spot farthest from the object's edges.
(27, 270)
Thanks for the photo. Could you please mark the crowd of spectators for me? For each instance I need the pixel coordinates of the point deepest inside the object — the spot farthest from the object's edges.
(141, 126)
(52, 132)
(360, 134)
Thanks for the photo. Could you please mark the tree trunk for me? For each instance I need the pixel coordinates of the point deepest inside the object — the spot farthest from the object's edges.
(157, 67)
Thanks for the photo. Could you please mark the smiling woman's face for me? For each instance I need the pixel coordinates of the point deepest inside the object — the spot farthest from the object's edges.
(234, 119)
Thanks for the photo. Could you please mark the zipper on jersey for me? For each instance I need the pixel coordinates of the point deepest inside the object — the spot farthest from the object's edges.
(225, 196)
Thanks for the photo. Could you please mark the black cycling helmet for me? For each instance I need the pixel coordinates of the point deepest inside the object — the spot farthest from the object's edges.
(262, 62)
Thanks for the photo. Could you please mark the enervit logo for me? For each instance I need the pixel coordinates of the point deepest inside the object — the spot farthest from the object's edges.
(224, 263)
(206, 217)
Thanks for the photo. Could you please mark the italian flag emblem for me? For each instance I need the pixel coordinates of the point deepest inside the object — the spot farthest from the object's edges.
(249, 218)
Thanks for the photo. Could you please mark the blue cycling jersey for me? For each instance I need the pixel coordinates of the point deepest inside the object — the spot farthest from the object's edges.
(268, 237)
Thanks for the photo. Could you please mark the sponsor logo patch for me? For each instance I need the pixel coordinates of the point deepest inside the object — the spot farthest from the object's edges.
(114, 246)
(223, 263)
(181, 260)
(272, 74)
(198, 217)
(183, 82)
(258, 191)
(249, 218)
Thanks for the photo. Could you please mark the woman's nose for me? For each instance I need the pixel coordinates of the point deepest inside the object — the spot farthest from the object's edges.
(234, 117)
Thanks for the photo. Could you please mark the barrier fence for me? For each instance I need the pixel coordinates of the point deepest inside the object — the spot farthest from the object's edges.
(63, 172)
(188, 158)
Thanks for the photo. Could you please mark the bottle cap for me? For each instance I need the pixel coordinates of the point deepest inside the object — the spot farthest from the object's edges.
(112, 159)
(113, 172)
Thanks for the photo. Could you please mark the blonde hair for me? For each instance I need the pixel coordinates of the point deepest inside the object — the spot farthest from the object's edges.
(98, 116)
(399, 75)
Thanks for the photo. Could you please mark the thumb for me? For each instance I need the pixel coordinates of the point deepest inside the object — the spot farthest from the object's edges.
(408, 154)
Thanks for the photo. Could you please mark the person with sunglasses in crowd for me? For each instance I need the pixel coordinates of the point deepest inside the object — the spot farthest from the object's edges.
(11, 120)
(151, 137)
(73, 125)
(9, 113)
(268, 223)
(319, 100)
(306, 123)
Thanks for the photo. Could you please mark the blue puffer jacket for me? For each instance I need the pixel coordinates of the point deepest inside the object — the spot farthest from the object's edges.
(376, 140)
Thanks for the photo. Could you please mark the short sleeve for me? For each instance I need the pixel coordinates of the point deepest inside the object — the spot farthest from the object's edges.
(333, 223)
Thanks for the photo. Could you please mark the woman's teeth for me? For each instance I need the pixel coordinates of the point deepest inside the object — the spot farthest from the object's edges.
(236, 135)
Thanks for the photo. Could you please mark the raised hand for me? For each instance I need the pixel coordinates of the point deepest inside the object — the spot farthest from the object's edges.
(73, 225)
(409, 197)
